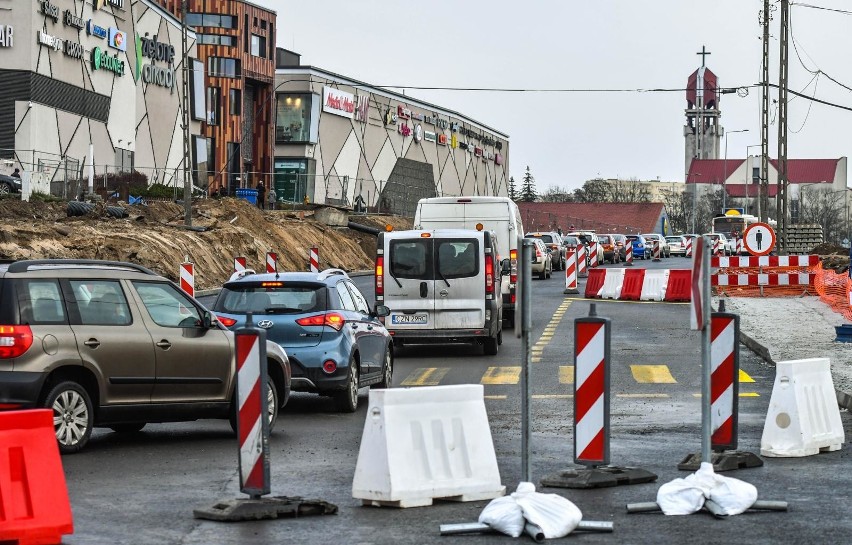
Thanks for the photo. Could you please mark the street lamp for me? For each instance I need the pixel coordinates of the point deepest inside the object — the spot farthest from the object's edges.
(749, 175)
(725, 177)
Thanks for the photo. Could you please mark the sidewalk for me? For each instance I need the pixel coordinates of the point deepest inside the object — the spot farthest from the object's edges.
(793, 328)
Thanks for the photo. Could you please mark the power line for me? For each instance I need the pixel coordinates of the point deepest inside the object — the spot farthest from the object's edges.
(823, 8)
(522, 90)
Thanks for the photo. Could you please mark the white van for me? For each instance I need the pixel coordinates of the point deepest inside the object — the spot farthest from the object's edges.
(440, 286)
(497, 214)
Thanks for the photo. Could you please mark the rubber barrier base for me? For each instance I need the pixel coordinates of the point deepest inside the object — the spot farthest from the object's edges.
(723, 461)
(265, 508)
(598, 477)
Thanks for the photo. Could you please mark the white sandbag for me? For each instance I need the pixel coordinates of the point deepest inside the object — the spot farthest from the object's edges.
(733, 495)
(680, 497)
(555, 515)
(504, 515)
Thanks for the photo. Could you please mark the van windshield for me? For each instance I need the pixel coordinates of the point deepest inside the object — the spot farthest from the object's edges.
(456, 258)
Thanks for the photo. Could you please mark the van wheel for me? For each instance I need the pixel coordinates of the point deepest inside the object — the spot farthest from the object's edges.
(509, 316)
(500, 336)
(347, 400)
(73, 415)
(490, 346)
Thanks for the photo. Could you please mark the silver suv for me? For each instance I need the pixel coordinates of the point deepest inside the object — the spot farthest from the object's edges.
(112, 344)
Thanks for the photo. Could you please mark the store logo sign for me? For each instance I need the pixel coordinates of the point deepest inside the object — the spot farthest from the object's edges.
(117, 39)
(418, 133)
(72, 20)
(338, 102)
(429, 136)
(404, 129)
(498, 159)
(362, 107)
(442, 139)
(390, 118)
(73, 49)
(94, 30)
(454, 141)
(101, 60)
(7, 35)
(50, 41)
(50, 10)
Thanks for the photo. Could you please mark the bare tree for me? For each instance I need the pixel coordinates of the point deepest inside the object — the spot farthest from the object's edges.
(820, 205)
(679, 209)
(557, 194)
(631, 190)
(596, 190)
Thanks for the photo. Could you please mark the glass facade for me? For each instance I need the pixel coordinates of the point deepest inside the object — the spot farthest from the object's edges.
(214, 101)
(200, 156)
(258, 45)
(211, 20)
(223, 67)
(293, 118)
(292, 179)
(217, 39)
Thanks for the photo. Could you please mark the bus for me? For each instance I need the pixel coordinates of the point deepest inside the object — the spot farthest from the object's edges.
(735, 225)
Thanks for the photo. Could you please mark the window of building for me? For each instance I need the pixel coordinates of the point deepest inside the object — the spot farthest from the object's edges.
(246, 36)
(211, 20)
(258, 45)
(272, 38)
(223, 67)
(263, 24)
(123, 160)
(233, 162)
(214, 101)
(198, 107)
(293, 118)
(255, 21)
(217, 39)
(200, 155)
(235, 102)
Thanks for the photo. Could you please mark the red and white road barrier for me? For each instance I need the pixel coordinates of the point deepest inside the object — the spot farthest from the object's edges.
(764, 261)
(628, 253)
(740, 249)
(717, 247)
(763, 279)
(582, 265)
(591, 391)
(239, 264)
(271, 262)
(689, 247)
(252, 424)
(187, 278)
(314, 260)
(639, 284)
(656, 250)
(571, 272)
(724, 380)
(593, 254)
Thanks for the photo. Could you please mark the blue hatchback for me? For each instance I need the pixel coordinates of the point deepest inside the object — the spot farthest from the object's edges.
(641, 249)
(336, 345)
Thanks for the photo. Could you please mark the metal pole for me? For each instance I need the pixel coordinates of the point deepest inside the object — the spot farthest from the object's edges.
(187, 183)
(705, 352)
(763, 200)
(526, 326)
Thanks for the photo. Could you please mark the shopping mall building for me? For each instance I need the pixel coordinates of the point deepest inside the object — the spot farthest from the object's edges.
(101, 79)
(345, 142)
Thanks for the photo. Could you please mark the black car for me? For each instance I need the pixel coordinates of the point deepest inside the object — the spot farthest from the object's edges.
(9, 184)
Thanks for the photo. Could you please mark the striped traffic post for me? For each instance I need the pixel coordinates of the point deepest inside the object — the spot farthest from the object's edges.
(571, 287)
(628, 254)
(739, 246)
(582, 265)
(314, 257)
(717, 247)
(187, 278)
(239, 264)
(252, 423)
(592, 336)
(593, 254)
(689, 246)
(271, 262)
(656, 250)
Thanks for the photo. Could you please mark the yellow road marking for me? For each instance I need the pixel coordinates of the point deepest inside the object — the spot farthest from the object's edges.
(744, 377)
(552, 396)
(537, 349)
(501, 375)
(426, 376)
(535, 359)
(566, 374)
(652, 374)
(655, 396)
(495, 397)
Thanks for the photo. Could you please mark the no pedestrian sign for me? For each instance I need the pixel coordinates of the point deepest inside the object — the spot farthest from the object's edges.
(759, 239)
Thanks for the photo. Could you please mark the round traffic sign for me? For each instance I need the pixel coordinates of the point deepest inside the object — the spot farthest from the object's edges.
(759, 239)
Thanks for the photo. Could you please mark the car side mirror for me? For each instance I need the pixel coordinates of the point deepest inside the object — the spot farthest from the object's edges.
(505, 267)
(207, 320)
(381, 311)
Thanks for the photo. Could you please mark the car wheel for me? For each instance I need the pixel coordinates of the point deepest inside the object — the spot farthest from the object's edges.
(5, 189)
(500, 336)
(73, 415)
(128, 428)
(490, 346)
(272, 405)
(543, 274)
(347, 400)
(387, 371)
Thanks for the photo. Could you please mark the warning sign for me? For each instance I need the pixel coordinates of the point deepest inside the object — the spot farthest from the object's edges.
(759, 239)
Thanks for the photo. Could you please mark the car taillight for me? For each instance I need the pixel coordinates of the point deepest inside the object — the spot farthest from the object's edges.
(331, 319)
(489, 275)
(329, 366)
(225, 321)
(380, 275)
(537, 252)
(513, 260)
(15, 340)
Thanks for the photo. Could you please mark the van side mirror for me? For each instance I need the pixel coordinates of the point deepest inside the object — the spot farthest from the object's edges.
(505, 267)
(381, 311)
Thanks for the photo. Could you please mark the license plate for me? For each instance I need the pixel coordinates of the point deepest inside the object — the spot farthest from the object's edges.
(400, 319)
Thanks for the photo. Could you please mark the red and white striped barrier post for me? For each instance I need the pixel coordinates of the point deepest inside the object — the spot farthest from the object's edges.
(689, 247)
(187, 278)
(271, 262)
(628, 255)
(252, 423)
(593, 255)
(239, 264)
(582, 265)
(717, 247)
(591, 390)
(571, 287)
(656, 250)
(739, 246)
(314, 260)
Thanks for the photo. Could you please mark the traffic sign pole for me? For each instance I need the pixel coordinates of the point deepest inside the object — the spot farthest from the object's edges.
(706, 370)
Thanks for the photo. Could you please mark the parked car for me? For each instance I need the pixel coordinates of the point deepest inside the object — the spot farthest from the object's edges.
(610, 249)
(621, 244)
(335, 343)
(641, 249)
(677, 245)
(112, 344)
(541, 262)
(552, 240)
(9, 184)
(586, 238)
(665, 251)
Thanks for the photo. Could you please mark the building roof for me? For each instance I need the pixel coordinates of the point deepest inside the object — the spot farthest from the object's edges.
(799, 171)
(625, 218)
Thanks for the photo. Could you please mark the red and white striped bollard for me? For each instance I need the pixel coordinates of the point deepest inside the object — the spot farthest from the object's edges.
(239, 264)
(740, 249)
(628, 253)
(591, 390)
(314, 256)
(656, 250)
(593, 255)
(689, 247)
(252, 424)
(271, 262)
(724, 380)
(582, 265)
(571, 287)
(187, 278)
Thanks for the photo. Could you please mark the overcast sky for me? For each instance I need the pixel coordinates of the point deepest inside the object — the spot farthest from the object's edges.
(567, 138)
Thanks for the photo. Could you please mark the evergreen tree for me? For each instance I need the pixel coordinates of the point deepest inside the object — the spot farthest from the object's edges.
(528, 193)
(513, 189)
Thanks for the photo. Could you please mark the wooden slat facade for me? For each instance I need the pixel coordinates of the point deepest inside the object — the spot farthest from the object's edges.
(256, 72)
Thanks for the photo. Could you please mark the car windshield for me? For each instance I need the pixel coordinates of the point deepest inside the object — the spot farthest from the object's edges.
(604, 239)
(544, 238)
(290, 298)
(674, 239)
(570, 241)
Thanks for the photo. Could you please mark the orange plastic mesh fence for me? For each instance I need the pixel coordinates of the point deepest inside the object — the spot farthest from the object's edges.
(764, 291)
(834, 290)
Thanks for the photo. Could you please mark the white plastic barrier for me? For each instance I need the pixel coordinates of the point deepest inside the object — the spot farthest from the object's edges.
(613, 281)
(420, 444)
(803, 416)
(654, 285)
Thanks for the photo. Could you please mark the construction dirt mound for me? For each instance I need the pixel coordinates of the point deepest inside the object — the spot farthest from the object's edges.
(155, 236)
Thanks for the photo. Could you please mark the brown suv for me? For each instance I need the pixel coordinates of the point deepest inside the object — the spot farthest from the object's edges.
(112, 344)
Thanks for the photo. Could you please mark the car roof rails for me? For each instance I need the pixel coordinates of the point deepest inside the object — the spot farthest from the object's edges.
(323, 275)
(241, 274)
(27, 264)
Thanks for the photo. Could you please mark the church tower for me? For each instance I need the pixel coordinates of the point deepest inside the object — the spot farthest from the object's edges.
(702, 133)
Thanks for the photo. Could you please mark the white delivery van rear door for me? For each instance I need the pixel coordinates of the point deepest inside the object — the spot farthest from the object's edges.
(409, 282)
(459, 281)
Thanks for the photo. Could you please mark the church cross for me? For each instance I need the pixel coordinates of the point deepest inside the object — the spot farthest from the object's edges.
(703, 54)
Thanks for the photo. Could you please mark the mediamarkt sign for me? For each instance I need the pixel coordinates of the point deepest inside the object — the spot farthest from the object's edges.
(338, 102)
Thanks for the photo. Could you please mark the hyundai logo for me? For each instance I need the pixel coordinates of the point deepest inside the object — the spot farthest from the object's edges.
(265, 324)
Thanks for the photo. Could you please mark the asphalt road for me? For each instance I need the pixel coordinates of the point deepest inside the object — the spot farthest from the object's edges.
(142, 488)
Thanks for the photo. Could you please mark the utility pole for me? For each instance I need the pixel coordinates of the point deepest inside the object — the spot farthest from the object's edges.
(763, 199)
(783, 182)
(187, 179)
